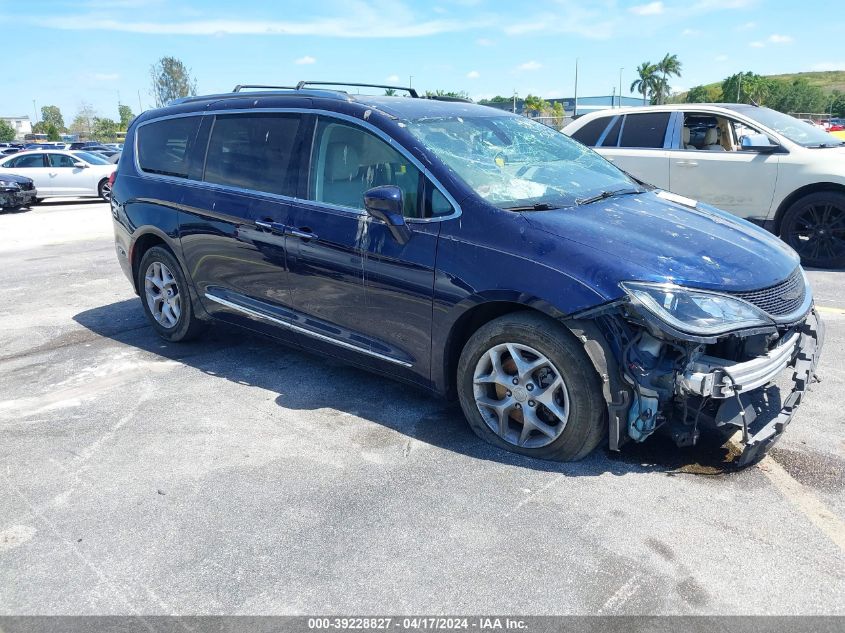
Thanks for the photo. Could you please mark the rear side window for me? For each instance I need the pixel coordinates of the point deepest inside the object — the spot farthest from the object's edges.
(590, 133)
(645, 130)
(163, 145)
(254, 151)
(30, 160)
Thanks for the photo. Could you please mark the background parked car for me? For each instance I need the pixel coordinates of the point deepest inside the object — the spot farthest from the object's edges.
(16, 192)
(759, 164)
(62, 173)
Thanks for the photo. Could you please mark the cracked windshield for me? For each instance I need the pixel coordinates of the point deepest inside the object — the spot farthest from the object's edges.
(513, 163)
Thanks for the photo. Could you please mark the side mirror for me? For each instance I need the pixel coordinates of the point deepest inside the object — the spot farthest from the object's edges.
(385, 204)
(757, 143)
(80, 165)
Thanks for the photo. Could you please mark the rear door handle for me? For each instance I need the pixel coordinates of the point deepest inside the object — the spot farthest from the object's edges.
(303, 233)
(687, 163)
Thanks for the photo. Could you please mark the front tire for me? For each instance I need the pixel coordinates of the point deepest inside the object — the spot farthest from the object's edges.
(526, 385)
(166, 298)
(815, 227)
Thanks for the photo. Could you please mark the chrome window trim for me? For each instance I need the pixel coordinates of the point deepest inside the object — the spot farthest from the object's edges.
(302, 330)
(316, 111)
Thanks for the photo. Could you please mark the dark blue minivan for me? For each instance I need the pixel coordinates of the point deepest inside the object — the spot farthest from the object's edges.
(470, 252)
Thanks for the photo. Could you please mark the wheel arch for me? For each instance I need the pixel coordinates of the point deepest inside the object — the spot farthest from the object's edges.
(799, 193)
(140, 245)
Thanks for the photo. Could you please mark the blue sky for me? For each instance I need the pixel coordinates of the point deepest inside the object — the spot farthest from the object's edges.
(66, 52)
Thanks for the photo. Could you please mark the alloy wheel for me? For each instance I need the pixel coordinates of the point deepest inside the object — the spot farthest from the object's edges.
(818, 231)
(162, 293)
(521, 395)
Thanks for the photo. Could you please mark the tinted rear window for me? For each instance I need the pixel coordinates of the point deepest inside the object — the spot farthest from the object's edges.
(590, 133)
(163, 145)
(645, 130)
(254, 151)
(612, 138)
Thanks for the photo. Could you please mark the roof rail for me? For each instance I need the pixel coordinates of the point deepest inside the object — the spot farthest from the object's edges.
(241, 87)
(303, 84)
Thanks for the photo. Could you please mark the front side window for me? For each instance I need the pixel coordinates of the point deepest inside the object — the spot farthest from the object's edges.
(92, 159)
(60, 160)
(28, 161)
(348, 160)
(254, 151)
(163, 145)
(645, 130)
(511, 161)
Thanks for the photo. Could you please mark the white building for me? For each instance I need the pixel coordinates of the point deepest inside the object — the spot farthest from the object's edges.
(21, 124)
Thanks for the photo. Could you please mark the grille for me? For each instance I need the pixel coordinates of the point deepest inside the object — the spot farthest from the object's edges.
(782, 298)
(26, 185)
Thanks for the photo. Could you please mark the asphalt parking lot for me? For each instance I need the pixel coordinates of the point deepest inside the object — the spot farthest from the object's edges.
(237, 476)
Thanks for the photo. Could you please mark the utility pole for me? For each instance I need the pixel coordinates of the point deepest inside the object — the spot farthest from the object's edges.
(613, 98)
(34, 111)
(514, 101)
(575, 108)
(140, 107)
(410, 81)
(738, 86)
(620, 86)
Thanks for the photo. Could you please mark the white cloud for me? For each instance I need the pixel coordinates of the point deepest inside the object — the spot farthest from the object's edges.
(483, 41)
(747, 26)
(305, 60)
(775, 38)
(393, 77)
(721, 58)
(652, 8)
(473, 74)
(721, 5)
(828, 66)
(756, 44)
(532, 65)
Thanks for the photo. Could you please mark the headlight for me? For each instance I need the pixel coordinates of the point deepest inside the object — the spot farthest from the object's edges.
(695, 311)
(10, 183)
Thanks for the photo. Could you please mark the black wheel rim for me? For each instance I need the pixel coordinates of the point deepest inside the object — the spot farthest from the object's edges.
(818, 231)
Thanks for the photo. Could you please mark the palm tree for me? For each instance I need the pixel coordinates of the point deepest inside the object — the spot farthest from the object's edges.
(667, 67)
(647, 79)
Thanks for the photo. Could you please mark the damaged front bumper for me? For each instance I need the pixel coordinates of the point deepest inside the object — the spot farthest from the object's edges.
(14, 197)
(762, 414)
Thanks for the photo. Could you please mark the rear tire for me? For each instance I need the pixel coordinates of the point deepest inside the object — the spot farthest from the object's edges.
(166, 298)
(526, 385)
(104, 189)
(815, 227)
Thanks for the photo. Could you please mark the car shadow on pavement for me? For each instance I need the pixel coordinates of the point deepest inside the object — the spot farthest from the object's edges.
(307, 382)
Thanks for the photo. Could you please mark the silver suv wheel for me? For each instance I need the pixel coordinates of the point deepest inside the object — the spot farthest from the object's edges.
(162, 294)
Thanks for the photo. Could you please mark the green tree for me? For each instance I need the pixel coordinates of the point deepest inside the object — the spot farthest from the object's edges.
(52, 114)
(104, 129)
(53, 133)
(7, 132)
(666, 67)
(447, 93)
(390, 92)
(701, 94)
(171, 80)
(797, 96)
(126, 116)
(535, 104)
(745, 87)
(646, 81)
(558, 115)
(836, 105)
(40, 127)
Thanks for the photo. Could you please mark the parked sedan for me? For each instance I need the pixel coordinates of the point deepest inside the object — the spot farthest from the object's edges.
(62, 173)
(16, 192)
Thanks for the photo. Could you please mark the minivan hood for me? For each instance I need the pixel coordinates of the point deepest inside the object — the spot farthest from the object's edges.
(646, 237)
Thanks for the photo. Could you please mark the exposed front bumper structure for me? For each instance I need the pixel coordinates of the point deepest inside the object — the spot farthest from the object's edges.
(762, 416)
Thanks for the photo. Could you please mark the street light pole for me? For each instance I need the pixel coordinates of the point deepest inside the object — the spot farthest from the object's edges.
(575, 108)
(620, 86)
(35, 111)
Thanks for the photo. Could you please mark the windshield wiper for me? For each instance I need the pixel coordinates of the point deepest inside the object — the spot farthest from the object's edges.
(604, 195)
(540, 206)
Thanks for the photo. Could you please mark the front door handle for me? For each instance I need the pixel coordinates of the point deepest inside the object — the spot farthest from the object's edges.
(273, 227)
(303, 233)
(687, 163)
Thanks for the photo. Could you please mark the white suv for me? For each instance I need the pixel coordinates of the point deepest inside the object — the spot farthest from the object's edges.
(759, 164)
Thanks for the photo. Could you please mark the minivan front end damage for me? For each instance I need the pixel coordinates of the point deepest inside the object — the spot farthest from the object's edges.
(679, 361)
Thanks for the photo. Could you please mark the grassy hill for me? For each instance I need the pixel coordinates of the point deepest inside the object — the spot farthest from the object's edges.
(827, 80)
